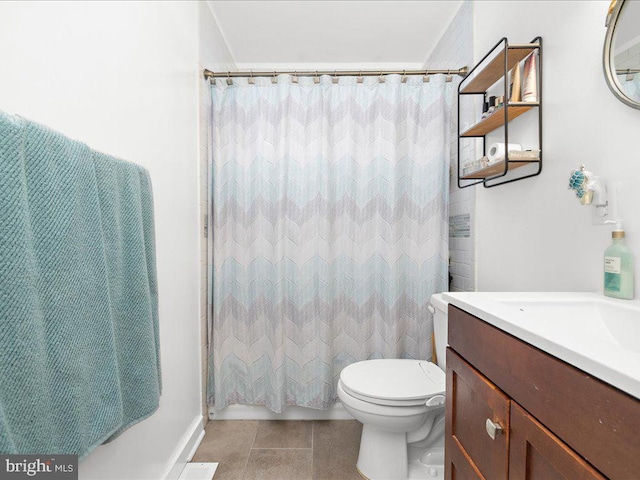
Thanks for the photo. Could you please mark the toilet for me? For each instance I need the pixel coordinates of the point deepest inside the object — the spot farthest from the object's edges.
(400, 403)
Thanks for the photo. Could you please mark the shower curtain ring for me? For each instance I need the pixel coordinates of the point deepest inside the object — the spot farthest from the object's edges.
(316, 80)
(381, 79)
(274, 79)
(335, 76)
(404, 76)
(251, 79)
(294, 79)
(229, 79)
(449, 77)
(360, 77)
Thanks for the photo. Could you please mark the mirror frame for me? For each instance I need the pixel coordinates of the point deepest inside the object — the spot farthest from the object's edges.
(613, 17)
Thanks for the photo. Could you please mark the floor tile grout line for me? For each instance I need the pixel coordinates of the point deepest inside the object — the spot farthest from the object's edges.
(246, 462)
(313, 427)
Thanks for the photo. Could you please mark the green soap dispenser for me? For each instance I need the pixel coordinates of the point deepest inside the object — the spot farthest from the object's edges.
(618, 266)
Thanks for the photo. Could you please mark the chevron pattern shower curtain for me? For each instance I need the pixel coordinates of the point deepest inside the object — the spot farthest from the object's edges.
(330, 231)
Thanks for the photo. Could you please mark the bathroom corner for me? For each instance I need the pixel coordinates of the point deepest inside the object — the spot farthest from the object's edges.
(213, 53)
(456, 48)
(318, 295)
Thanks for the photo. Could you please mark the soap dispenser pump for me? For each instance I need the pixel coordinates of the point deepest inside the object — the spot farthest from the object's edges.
(618, 266)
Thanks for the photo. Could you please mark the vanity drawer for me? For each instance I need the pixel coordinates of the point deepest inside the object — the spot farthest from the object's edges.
(599, 422)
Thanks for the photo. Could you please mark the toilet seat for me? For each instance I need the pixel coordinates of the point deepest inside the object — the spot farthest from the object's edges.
(393, 382)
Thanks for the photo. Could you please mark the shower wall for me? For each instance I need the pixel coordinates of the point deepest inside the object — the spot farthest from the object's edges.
(454, 50)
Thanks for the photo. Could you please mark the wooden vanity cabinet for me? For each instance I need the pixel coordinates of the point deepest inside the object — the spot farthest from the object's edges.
(549, 420)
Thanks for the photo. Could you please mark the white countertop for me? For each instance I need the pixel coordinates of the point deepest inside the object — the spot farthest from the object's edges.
(594, 333)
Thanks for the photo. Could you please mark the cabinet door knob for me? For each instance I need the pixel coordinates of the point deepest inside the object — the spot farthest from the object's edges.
(493, 429)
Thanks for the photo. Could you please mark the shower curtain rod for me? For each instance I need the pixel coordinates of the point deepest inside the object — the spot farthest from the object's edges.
(334, 73)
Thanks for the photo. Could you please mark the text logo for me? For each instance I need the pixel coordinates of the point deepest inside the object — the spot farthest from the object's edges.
(45, 467)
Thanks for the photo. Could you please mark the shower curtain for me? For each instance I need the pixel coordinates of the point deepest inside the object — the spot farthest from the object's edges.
(330, 231)
(630, 85)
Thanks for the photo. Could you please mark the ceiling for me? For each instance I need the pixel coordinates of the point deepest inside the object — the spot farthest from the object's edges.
(332, 32)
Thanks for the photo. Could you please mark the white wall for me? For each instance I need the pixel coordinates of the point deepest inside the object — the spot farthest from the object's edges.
(533, 234)
(123, 77)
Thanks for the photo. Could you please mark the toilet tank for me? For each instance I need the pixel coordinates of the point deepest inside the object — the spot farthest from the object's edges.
(439, 311)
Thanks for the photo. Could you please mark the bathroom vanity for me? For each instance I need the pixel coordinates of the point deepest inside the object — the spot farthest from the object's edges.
(517, 410)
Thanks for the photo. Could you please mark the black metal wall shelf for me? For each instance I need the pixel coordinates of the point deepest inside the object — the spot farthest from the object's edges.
(492, 68)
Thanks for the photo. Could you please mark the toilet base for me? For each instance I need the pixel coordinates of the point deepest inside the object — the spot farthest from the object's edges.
(362, 474)
(382, 454)
(385, 455)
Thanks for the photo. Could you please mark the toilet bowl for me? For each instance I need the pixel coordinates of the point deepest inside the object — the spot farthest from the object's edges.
(400, 403)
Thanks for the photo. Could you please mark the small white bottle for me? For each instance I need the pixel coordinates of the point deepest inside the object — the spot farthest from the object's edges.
(618, 266)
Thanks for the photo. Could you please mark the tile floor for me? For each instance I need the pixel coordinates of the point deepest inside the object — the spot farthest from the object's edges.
(282, 450)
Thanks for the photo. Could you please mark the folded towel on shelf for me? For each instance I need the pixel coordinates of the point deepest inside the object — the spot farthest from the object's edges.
(79, 353)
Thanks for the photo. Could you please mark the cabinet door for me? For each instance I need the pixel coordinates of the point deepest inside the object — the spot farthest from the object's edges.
(474, 405)
(537, 454)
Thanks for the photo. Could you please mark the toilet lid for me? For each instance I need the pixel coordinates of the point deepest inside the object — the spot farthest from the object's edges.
(393, 380)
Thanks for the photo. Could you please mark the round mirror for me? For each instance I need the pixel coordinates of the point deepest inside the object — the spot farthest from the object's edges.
(622, 51)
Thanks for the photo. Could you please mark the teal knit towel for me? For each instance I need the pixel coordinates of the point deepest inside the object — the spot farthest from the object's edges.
(79, 353)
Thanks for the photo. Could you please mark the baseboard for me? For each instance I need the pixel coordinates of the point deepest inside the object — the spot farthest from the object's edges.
(186, 448)
(256, 412)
